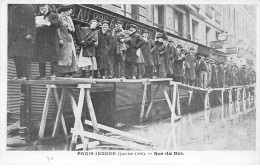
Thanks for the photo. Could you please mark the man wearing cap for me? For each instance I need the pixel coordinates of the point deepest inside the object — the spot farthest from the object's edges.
(46, 45)
(190, 67)
(90, 41)
(168, 58)
(67, 62)
(203, 73)
(103, 50)
(134, 44)
(21, 31)
(146, 50)
(179, 58)
(157, 51)
(221, 74)
(120, 50)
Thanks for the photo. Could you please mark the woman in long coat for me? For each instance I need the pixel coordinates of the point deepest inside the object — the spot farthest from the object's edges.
(168, 60)
(67, 62)
(157, 51)
(46, 47)
(21, 30)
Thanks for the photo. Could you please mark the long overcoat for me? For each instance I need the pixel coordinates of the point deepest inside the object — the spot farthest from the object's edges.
(90, 36)
(21, 22)
(179, 59)
(167, 59)
(136, 42)
(190, 61)
(103, 49)
(146, 50)
(46, 47)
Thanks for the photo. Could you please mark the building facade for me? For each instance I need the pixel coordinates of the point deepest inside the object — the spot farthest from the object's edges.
(200, 23)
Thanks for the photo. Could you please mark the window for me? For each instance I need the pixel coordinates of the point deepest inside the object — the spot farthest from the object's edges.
(179, 23)
(135, 11)
(207, 36)
(209, 11)
(159, 15)
(194, 30)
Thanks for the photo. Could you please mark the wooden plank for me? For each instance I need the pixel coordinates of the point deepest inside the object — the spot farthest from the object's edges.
(189, 107)
(74, 109)
(63, 81)
(178, 101)
(143, 103)
(122, 133)
(152, 101)
(56, 96)
(78, 118)
(91, 111)
(44, 113)
(127, 144)
(59, 112)
(173, 115)
(222, 104)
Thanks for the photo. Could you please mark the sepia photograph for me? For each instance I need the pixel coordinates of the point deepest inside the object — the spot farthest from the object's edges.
(131, 79)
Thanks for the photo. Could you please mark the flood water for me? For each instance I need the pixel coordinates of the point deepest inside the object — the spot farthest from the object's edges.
(190, 133)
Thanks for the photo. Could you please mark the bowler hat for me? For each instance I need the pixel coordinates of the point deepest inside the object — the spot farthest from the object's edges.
(133, 25)
(179, 46)
(159, 36)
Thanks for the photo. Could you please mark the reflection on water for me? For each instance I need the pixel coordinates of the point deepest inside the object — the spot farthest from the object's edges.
(190, 133)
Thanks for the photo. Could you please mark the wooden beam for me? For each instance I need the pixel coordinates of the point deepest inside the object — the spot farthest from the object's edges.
(173, 104)
(56, 97)
(127, 144)
(143, 102)
(189, 107)
(122, 133)
(222, 104)
(44, 113)
(152, 101)
(59, 112)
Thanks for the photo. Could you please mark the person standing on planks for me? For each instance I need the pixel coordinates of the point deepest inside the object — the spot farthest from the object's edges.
(90, 41)
(146, 50)
(67, 62)
(21, 32)
(119, 54)
(46, 47)
(179, 58)
(133, 69)
(103, 50)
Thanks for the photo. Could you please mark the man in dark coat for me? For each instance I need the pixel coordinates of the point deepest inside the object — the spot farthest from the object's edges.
(21, 31)
(46, 48)
(146, 49)
(119, 50)
(203, 73)
(134, 44)
(190, 67)
(179, 58)
(221, 74)
(157, 51)
(168, 58)
(103, 50)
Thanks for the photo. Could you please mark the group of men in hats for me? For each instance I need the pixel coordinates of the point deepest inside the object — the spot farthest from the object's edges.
(118, 53)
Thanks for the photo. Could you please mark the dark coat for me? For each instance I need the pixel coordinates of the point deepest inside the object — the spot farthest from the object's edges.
(90, 36)
(46, 47)
(220, 76)
(103, 49)
(136, 42)
(214, 77)
(168, 59)
(178, 70)
(155, 53)
(146, 50)
(190, 66)
(20, 24)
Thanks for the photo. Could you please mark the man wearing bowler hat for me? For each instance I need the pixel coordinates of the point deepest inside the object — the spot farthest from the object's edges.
(134, 44)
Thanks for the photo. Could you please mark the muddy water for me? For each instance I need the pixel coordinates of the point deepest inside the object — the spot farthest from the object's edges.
(190, 133)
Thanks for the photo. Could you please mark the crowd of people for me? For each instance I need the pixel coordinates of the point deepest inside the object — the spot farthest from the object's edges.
(98, 52)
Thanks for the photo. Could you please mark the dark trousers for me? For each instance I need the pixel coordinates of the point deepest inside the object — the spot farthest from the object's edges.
(179, 79)
(102, 72)
(42, 68)
(149, 71)
(23, 66)
(157, 68)
(119, 66)
(130, 69)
